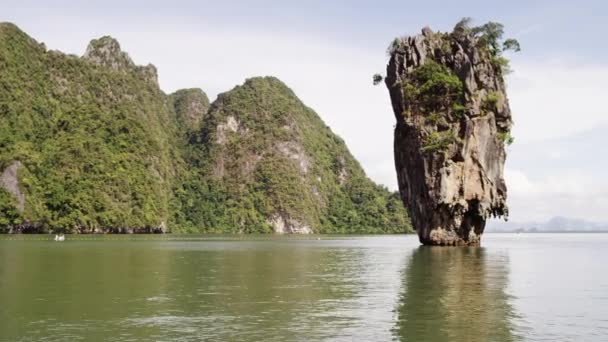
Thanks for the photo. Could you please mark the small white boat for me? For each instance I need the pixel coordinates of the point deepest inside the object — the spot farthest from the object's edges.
(60, 237)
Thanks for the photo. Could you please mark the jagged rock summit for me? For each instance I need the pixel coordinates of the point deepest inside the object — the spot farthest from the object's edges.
(106, 52)
(453, 122)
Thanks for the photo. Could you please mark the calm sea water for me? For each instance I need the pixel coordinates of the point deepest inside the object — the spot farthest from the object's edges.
(523, 287)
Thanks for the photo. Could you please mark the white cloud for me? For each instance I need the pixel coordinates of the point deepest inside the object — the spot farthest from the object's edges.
(571, 193)
(556, 99)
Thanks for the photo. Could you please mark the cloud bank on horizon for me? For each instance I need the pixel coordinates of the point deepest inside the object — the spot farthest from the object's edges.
(327, 54)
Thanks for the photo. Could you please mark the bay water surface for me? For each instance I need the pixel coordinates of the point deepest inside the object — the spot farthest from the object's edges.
(517, 287)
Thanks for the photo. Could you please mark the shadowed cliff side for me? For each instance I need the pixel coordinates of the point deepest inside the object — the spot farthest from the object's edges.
(453, 122)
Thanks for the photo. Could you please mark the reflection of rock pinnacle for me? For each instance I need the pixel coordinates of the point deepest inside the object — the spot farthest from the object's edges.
(454, 294)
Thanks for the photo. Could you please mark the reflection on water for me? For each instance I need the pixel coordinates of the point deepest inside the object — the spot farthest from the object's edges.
(455, 294)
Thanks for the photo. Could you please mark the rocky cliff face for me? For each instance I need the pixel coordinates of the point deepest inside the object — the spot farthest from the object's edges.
(453, 122)
(106, 52)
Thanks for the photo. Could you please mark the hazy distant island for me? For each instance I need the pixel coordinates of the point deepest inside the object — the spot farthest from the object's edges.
(91, 144)
(556, 224)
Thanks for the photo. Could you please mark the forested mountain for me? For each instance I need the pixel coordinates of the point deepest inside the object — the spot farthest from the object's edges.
(92, 144)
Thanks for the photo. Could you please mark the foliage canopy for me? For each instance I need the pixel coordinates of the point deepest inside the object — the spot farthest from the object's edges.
(106, 150)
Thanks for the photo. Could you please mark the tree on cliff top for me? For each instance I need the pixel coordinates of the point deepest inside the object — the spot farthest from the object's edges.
(489, 34)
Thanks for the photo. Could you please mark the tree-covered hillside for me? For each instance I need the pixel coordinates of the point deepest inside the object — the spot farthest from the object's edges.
(271, 164)
(98, 147)
(94, 140)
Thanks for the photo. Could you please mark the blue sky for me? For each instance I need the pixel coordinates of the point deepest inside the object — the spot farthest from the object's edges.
(327, 51)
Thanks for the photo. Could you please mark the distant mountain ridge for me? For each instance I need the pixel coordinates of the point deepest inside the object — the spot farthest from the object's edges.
(555, 224)
(91, 144)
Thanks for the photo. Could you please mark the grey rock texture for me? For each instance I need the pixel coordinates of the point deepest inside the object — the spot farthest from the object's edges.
(10, 182)
(106, 52)
(449, 151)
(283, 224)
(148, 73)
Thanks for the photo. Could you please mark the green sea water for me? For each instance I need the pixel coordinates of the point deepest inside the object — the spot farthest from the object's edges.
(525, 287)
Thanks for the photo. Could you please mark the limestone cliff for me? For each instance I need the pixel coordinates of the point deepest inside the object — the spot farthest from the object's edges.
(106, 53)
(92, 144)
(453, 121)
(270, 164)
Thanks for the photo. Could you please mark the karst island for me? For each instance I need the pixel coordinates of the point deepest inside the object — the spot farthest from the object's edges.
(453, 122)
(92, 144)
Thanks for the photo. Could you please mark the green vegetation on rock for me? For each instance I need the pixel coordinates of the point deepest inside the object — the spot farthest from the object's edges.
(506, 138)
(190, 105)
(490, 38)
(94, 141)
(393, 46)
(9, 215)
(433, 87)
(438, 141)
(490, 101)
(265, 155)
(103, 149)
(435, 94)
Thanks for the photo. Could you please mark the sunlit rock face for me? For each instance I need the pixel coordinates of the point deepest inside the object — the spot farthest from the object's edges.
(453, 122)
